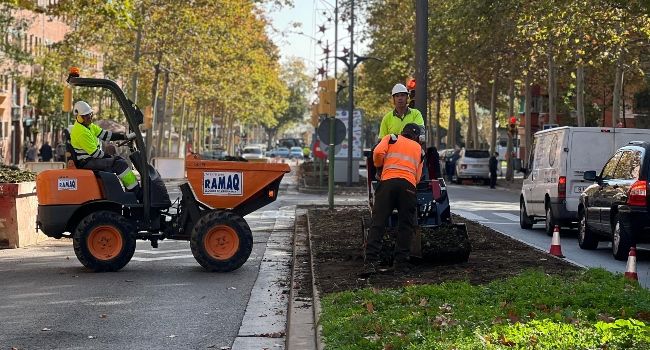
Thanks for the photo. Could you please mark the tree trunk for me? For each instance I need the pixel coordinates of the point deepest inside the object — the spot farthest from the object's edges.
(170, 123)
(195, 129)
(493, 115)
(160, 120)
(528, 119)
(154, 97)
(616, 98)
(510, 156)
(451, 131)
(437, 137)
(552, 87)
(580, 95)
(181, 128)
(473, 125)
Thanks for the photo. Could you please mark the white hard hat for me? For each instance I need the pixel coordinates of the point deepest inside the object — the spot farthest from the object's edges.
(82, 108)
(398, 89)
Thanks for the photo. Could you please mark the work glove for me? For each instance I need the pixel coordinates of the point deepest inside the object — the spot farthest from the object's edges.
(130, 136)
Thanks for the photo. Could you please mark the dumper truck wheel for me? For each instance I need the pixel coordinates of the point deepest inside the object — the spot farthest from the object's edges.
(103, 242)
(221, 241)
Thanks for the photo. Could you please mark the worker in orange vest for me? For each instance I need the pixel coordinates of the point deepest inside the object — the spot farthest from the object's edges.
(399, 162)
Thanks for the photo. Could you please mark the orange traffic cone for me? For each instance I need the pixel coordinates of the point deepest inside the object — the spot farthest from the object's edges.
(556, 249)
(630, 270)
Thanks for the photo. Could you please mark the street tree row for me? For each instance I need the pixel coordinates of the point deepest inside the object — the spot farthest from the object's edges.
(196, 61)
(581, 52)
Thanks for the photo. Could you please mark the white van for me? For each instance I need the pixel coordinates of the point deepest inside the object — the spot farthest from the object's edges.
(554, 179)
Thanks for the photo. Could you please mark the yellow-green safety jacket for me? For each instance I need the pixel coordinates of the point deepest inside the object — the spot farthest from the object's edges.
(392, 124)
(85, 140)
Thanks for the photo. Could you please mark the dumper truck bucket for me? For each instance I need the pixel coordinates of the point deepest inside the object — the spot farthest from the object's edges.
(242, 187)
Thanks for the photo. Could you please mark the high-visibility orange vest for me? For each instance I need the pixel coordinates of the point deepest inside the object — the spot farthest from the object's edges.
(400, 158)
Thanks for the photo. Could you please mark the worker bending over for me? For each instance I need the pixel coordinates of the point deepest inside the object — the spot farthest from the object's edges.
(399, 160)
(85, 137)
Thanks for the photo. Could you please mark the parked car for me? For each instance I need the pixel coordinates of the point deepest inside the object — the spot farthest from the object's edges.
(296, 153)
(282, 152)
(251, 153)
(217, 154)
(472, 164)
(554, 180)
(615, 208)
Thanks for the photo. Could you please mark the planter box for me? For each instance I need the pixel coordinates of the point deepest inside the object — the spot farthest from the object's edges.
(18, 209)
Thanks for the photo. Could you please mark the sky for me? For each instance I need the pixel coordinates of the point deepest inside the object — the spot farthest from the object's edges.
(305, 17)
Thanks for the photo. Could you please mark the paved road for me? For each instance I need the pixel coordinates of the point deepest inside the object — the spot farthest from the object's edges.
(499, 209)
(162, 299)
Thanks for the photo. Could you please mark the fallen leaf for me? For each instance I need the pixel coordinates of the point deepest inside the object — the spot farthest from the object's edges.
(504, 341)
(103, 316)
(91, 337)
(370, 307)
(423, 302)
(513, 317)
(67, 258)
(389, 347)
(272, 335)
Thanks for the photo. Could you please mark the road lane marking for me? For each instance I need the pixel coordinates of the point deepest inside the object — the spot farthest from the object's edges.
(507, 216)
(162, 251)
(186, 256)
(469, 216)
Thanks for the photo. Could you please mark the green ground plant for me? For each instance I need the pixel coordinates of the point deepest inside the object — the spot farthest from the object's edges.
(593, 309)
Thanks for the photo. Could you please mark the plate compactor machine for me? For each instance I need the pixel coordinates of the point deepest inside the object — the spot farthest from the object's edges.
(437, 238)
(105, 221)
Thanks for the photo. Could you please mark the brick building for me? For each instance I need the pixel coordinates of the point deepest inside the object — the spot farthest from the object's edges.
(16, 113)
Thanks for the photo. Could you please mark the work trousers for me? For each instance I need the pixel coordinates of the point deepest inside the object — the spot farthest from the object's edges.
(116, 165)
(391, 194)
(493, 179)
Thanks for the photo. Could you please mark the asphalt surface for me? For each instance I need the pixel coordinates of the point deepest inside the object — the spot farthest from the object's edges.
(499, 209)
(163, 299)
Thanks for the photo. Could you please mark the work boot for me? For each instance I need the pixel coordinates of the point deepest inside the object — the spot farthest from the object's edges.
(369, 269)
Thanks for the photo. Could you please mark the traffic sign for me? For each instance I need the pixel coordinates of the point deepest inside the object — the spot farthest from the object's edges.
(324, 131)
(318, 151)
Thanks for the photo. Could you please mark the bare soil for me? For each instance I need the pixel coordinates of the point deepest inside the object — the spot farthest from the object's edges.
(336, 239)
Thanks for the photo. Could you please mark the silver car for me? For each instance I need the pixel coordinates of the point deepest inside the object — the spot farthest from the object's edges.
(472, 164)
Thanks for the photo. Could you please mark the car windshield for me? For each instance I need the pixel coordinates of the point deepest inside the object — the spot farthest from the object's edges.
(296, 149)
(477, 154)
(282, 149)
(253, 150)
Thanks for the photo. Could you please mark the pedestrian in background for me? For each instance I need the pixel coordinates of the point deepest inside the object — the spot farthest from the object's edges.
(30, 155)
(452, 163)
(45, 152)
(494, 164)
(60, 152)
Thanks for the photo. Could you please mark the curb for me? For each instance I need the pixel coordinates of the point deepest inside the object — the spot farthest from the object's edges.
(320, 345)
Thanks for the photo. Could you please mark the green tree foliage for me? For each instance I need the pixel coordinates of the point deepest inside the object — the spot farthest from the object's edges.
(298, 84)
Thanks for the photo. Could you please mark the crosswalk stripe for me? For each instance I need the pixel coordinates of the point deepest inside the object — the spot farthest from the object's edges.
(470, 216)
(508, 216)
